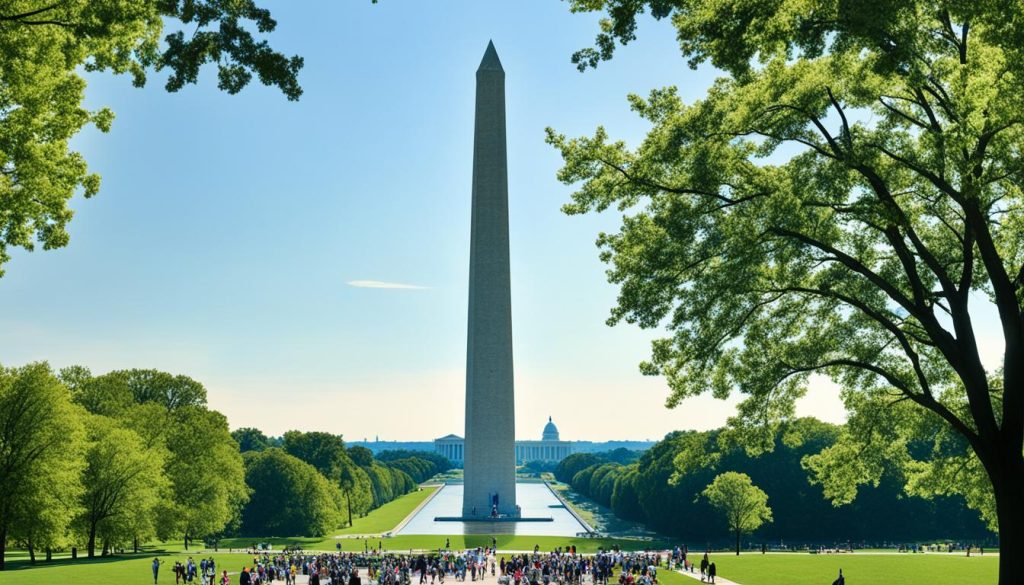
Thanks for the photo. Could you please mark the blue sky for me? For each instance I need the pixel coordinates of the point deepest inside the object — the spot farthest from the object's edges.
(228, 229)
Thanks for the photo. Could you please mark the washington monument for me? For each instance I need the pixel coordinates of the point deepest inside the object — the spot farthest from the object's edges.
(490, 467)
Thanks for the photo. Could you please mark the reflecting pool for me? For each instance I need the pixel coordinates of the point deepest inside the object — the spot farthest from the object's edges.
(535, 499)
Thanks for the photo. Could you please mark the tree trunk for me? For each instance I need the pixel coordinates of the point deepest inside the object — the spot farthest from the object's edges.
(135, 545)
(349, 500)
(49, 554)
(1008, 484)
(91, 545)
(3, 545)
(31, 552)
(737, 543)
(186, 541)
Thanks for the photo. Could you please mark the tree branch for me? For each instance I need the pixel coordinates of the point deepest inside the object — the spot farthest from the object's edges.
(902, 114)
(31, 13)
(922, 399)
(900, 335)
(728, 201)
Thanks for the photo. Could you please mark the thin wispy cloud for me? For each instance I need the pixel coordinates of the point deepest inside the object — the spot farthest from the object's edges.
(382, 284)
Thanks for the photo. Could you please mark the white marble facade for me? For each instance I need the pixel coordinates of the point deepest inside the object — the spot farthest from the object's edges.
(550, 448)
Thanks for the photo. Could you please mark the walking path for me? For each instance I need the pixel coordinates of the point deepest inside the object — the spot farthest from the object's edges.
(718, 580)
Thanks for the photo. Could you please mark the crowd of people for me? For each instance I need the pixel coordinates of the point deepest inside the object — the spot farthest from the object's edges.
(563, 566)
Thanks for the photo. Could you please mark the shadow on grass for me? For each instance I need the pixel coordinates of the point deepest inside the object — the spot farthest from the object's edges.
(14, 565)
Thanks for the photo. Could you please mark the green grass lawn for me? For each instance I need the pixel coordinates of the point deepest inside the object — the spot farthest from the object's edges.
(110, 570)
(378, 521)
(859, 568)
(388, 516)
(747, 569)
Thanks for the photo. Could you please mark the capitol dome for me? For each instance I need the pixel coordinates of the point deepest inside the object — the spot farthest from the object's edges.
(550, 431)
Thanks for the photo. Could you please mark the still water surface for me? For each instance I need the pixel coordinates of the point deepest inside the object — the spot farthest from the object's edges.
(535, 499)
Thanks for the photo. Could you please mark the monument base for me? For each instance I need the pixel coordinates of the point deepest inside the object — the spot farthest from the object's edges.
(490, 519)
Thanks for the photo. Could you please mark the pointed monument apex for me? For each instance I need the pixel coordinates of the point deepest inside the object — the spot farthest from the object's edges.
(490, 61)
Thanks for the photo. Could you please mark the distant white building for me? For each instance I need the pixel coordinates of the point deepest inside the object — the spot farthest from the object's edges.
(452, 447)
(550, 448)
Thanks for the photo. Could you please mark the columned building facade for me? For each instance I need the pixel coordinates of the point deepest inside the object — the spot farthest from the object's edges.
(550, 448)
(452, 447)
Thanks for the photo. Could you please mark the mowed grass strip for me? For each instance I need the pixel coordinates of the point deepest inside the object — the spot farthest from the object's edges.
(388, 516)
(378, 521)
(112, 570)
(881, 569)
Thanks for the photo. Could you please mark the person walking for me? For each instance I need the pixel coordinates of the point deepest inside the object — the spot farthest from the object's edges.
(156, 568)
(712, 571)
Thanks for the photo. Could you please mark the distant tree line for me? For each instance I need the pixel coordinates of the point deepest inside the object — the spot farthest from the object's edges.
(663, 491)
(107, 462)
(327, 484)
(420, 465)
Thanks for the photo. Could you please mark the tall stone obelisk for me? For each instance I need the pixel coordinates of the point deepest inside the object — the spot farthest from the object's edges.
(490, 466)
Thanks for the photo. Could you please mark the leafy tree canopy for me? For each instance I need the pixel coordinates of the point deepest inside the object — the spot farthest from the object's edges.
(250, 439)
(573, 464)
(841, 201)
(113, 393)
(744, 504)
(442, 462)
(206, 473)
(289, 496)
(324, 451)
(45, 45)
(663, 490)
(42, 439)
(362, 456)
(123, 485)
